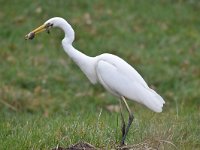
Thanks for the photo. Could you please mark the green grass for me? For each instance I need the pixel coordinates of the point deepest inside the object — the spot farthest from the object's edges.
(46, 101)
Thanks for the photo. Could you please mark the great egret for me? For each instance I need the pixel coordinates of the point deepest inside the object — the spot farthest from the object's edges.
(112, 72)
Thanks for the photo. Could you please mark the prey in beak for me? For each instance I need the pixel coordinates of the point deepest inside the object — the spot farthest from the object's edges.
(44, 27)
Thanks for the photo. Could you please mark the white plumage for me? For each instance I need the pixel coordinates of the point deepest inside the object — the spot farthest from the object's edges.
(120, 79)
(112, 72)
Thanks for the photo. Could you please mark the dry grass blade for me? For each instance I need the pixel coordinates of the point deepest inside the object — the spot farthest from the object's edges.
(168, 142)
(8, 105)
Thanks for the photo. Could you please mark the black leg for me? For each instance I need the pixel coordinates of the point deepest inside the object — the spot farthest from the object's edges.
(130, 120)
(123, 129)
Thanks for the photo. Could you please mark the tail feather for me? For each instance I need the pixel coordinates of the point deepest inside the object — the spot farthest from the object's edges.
(153, 101)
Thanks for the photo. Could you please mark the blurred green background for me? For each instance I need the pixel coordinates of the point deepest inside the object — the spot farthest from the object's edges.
(45, 100)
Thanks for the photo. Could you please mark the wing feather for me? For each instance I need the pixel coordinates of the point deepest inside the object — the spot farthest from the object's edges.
(121, 81)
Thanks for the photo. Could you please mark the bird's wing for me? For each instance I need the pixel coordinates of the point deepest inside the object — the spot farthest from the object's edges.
(124, 68)
(118, 82)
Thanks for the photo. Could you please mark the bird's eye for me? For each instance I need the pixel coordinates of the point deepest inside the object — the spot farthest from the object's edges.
(48, 25)
(51, 24)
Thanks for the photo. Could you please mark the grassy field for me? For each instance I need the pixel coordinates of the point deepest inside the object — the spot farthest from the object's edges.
(46, 101)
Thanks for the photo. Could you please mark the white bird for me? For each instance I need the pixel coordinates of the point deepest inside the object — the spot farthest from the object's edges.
(112, 72)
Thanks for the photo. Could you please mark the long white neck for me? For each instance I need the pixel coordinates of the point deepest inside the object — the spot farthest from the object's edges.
(78, 57)
(86, 63)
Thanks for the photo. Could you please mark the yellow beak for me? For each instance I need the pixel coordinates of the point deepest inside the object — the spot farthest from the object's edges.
(32, 34)
(39, 29)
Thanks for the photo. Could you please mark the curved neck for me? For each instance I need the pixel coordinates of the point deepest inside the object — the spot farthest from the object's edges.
(86, 63)
(68, 30)
(77, 56)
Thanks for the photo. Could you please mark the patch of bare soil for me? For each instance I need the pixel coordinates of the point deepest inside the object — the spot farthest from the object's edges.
(78, 146)
(145, 145)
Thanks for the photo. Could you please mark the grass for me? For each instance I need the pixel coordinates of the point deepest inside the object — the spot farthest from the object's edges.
(46, 101)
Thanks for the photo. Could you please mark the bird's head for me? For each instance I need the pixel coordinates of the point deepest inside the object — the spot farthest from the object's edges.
(53, 22)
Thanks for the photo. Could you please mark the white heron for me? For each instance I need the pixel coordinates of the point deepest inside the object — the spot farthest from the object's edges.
(111, 71)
